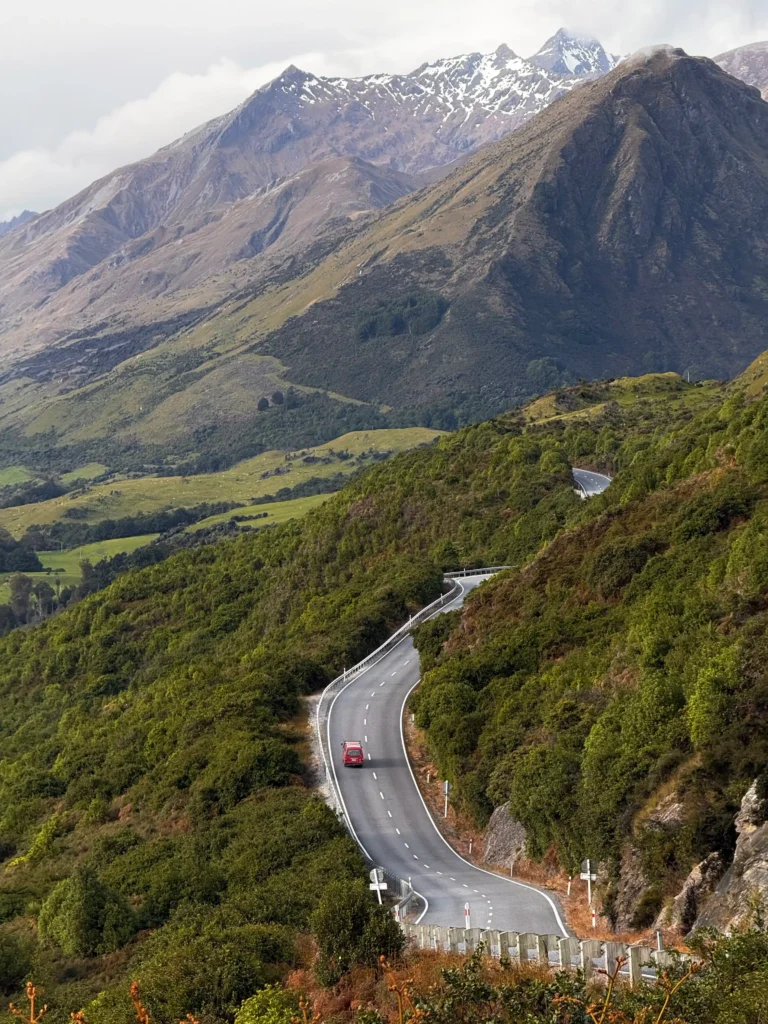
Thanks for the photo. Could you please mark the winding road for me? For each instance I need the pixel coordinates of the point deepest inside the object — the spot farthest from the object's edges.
(388, 816)
(589, 482)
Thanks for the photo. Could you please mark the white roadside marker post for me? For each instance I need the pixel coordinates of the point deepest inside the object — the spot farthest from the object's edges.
(589, 877)
(467, 917)
(377, 881)
(446, 790)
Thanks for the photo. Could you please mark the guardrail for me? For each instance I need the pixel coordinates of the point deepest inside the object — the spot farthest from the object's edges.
(475, 572)
(398, 885)
(641, 962)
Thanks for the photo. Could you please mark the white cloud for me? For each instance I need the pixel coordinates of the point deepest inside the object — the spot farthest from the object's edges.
(40, 178)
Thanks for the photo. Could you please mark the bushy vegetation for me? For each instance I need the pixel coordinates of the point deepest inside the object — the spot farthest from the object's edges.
(626, 661)
(71, 534)
(151, 737)
(418, 313)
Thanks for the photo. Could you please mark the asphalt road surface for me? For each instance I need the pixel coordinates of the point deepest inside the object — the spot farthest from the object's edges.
(590, 483)
(390, 819)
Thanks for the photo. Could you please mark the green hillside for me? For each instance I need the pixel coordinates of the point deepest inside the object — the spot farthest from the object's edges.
(253, 478)
(154, 748)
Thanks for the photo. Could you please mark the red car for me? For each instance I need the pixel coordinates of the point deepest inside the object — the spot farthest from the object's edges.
(352, 753)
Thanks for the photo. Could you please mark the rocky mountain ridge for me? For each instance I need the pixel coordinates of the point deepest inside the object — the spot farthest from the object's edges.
(566, 54)
(23, 218)
(579, 239)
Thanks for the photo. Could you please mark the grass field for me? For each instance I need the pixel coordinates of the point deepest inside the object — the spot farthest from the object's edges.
(93, 469)
(277, 512)
(264, 474)
(69, 561)
(14, 475)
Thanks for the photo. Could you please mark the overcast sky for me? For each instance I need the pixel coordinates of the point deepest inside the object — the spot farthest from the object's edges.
(88, 85)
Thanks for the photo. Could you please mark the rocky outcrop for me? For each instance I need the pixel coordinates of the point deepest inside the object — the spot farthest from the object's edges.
(505, 838)
(745, 884)
(681, 914)
(633, 885)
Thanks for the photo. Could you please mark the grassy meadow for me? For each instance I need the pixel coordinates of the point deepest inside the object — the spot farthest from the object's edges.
(264, 474)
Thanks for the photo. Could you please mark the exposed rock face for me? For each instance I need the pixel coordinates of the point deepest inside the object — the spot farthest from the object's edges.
(504, 839)
(732, 904)
(633, 884)
(752, 813)
(681, 914)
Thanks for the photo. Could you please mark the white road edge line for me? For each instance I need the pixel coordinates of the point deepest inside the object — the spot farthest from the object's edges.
(510, 881)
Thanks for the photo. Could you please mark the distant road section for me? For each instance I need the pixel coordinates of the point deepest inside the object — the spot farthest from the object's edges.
(590, 483)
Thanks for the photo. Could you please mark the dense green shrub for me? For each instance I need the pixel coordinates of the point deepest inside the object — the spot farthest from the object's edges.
(272, 1005)
(352, 930)
(83, 917)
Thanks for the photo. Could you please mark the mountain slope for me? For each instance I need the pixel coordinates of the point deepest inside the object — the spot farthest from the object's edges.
(67, 268)
(749, 63)
(613, 691)
(622, 230)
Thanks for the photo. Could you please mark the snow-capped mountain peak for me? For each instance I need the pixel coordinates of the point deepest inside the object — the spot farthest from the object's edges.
(566, 54)
(429, 117)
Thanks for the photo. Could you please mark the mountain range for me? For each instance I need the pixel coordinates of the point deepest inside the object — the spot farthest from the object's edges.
(147, 239)
(390, 243)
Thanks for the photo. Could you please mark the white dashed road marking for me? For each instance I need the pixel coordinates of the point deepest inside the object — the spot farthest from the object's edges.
(381, 794)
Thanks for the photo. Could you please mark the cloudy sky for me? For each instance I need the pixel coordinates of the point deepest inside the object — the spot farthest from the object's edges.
(86, 85)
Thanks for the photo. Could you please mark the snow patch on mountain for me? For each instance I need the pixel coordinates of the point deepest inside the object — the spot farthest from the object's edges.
(566, 54)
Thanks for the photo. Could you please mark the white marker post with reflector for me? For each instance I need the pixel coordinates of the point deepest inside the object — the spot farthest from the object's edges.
(377, 881)
(588, 876)
(467, 916)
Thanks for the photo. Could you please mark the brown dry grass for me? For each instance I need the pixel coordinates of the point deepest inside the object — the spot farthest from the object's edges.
(417, 972)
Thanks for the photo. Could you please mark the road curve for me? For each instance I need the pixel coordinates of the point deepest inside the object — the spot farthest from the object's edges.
(390, 819)
(589, 482)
